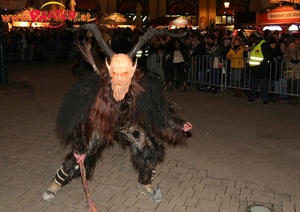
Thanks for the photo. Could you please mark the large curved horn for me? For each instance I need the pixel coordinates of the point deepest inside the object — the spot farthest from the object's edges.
(151, 32)
(93, 28)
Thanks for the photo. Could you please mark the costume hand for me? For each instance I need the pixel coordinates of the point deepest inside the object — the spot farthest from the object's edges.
(187, 126)
(80, 158)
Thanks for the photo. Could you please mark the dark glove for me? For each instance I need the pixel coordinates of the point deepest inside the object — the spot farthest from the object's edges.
(296, 61)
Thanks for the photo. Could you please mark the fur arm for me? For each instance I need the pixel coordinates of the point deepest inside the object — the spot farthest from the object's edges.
(75, 107)
(159, 117)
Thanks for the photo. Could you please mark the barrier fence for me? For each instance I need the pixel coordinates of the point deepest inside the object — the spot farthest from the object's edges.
(204, 72)
(18, 51)
(207, 72)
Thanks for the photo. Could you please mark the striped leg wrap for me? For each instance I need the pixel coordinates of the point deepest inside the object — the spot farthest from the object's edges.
(61, 176)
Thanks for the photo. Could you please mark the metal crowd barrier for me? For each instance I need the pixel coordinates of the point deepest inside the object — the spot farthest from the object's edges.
(18, 51)
(155, 64)
(207, 72)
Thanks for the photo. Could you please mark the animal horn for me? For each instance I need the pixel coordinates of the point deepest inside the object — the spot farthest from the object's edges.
(93, 28)
(151, 32)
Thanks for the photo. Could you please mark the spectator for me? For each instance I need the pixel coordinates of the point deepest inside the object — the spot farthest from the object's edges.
(237, 64)
(282, 83)
(275, 71)
(188, 43)
(198, 53)
(176, 60)
(126, 40)
(24, 46)
(216, 53)
(292, 56)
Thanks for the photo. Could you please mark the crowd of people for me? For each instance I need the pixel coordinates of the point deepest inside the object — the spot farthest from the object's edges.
(200, 51)
(36, 44)
(207, 53)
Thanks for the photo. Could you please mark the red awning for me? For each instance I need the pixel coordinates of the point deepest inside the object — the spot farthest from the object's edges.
(130, 7)
(183, 9)
(232, 8)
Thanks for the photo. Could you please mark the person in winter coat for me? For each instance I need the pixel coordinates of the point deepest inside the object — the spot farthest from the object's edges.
(275, 66)
(216, 53)
(197, 55)
(259, 64)
(176, 61)
(237, 64)
(292, 57)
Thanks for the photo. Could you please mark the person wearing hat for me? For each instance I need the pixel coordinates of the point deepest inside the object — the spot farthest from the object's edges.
(259, 65)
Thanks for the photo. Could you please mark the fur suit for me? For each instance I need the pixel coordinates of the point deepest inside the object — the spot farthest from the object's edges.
(89, 120)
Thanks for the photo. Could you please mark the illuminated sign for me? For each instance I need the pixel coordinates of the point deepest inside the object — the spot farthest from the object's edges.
(57, 15)
(45, 16)
(288, 14)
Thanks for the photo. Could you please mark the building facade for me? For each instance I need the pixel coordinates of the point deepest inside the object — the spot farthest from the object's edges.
(203, 12)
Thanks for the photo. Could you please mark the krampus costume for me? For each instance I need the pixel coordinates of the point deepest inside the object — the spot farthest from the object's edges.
(116, 104)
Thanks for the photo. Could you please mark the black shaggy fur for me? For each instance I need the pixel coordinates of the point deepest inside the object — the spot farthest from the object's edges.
(144, 106)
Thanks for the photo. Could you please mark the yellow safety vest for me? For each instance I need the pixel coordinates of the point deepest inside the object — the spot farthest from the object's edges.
(256, 55)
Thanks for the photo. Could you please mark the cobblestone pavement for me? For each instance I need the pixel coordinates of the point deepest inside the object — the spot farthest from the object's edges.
(190, 179)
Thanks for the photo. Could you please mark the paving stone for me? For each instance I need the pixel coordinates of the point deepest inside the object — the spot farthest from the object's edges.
(185, 177)
(179, 208)
(295, 198)
(202, 173)
(36, 206)
(187, 185)
(170, 182)
(246, 193)
(282, 198)
(263, 196)
(117, 208)
(208, 205)
(228, 183)
(178, 200)
(205, 195)
(233, 191)
(131, 209)
(214, 188)
(288, 207)
(223, 198)
(146, 204)
(188, 193)
(163, 207)
(199, 187)
(57, 208)
(129, 201)
(179, 170)
(241, 185)
(212, 181)
(176, 191)
(191, 202)
(227, 207)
